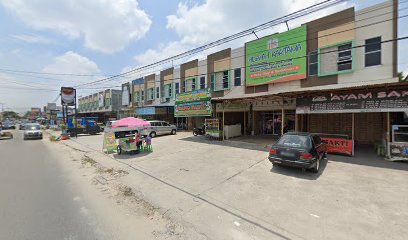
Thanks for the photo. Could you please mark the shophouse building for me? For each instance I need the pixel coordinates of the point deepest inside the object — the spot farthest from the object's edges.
(105, 105)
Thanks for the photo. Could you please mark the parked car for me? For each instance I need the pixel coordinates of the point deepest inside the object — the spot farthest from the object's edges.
(32, 131)
(302, 150)
(160, 128)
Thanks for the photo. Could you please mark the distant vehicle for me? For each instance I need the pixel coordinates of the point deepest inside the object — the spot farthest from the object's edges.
(302, 150)
(7, 124)
(85, 125)
(32, 131)
(160, 128)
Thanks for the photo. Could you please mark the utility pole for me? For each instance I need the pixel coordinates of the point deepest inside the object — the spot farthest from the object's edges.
(2, 112)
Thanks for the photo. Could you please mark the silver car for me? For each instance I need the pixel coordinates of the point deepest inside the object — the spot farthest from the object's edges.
(32, 131)
(160, 128)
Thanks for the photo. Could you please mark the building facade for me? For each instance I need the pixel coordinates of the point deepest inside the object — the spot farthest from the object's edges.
(105, 105)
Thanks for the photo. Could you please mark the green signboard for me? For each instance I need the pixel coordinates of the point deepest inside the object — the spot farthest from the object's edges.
(276, 58)
(197, 95)
(193, 109)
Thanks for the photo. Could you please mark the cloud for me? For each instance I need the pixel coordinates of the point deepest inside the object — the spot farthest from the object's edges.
(71, 62)
(198, 24)
(33, 39)
(107, 26)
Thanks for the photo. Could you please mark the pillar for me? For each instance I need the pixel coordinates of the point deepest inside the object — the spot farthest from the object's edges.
(283, 117)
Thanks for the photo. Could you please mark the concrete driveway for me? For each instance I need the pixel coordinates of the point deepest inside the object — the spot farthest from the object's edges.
(242, 197)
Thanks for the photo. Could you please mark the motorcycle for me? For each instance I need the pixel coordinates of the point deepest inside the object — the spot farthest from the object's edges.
(199, 131)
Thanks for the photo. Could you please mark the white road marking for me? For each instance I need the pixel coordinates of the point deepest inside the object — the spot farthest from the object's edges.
(313, 215)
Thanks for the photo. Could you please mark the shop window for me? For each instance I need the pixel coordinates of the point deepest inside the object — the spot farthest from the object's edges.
(237, 77)
(177, 88)
(150, 94)
(344, 58)
(157, 92)
(313, 63)
(202, 82)
(373, 51)
(221, 81)
(184, 86)
(167, 93)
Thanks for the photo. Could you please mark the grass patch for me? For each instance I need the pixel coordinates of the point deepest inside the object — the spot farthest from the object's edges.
(53, 138)
(89, 160)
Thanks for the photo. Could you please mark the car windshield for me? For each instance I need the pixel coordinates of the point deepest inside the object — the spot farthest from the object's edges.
(33, 127)
(294, 141)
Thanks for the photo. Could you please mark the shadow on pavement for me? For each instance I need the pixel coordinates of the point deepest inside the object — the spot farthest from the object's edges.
(366, 155)
(227, 143)
(298, 172)
(125, 156)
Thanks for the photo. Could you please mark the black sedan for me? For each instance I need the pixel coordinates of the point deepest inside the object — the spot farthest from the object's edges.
(302, 150)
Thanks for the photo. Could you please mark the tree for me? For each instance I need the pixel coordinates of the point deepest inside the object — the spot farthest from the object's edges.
(401, 77)
(10, 115)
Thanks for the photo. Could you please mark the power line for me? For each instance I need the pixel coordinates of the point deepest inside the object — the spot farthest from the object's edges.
(303, 56)
(291, 16)
(354, 28)
(367, 25)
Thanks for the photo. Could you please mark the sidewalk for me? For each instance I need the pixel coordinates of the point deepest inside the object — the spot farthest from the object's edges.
(227, 190)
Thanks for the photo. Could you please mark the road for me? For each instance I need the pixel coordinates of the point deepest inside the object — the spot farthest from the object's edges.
(36, 199)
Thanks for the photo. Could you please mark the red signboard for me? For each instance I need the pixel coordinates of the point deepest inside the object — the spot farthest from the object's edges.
(338, 145)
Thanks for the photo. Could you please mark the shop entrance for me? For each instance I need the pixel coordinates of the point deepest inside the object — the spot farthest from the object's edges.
(272, 122)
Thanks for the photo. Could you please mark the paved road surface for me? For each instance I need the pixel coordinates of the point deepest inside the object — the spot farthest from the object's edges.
(35, 200)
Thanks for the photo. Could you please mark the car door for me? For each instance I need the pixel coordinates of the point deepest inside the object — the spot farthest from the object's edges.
(166, 128)
(319, 146)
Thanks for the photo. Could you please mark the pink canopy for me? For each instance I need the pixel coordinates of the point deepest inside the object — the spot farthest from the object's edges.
(131, 122)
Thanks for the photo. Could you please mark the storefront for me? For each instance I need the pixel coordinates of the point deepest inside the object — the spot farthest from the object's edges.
(364, 116)
(162, 113)
(192, 108)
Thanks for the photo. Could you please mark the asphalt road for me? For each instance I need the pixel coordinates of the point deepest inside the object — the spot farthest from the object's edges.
(36, 201)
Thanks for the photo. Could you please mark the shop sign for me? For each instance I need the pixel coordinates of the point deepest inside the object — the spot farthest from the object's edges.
(138, 81)
(338, 145)
(372, 101)
(232, 107)
(68, 96)
(276, 58)
(109, 141)
(197, 95)
(192, 109)
(145, 111)
(399, 151)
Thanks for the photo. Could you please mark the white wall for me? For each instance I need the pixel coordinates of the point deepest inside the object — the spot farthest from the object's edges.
(367, 16)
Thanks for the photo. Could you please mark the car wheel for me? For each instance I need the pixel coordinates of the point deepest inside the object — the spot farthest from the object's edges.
(195, 133)
(317, 167)
(152, 134)
(276, 164)
(119, 150)
(173, 132)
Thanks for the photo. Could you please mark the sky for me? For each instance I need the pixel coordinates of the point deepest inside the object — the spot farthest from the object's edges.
(46, 44)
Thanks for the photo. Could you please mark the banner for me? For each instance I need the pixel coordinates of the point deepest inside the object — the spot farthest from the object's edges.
(197, 95)
(276, 58)
(101, 100)
(109, 141)
(192, 109)
(338, 145)
(68, 96)
(399, 151)
(125, 94)
(367, 101)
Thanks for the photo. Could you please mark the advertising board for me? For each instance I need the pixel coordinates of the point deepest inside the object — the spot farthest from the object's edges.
(367, 101)
(340, 146)
(68, 96)
(193, 96)
(276, 58)
(101, 100)
(192, 109)
(125, 94)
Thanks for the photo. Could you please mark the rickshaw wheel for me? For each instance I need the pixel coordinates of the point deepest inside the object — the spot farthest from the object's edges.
(119, 149)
